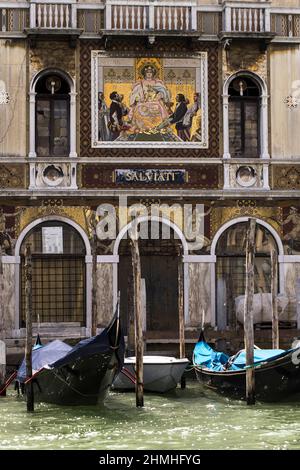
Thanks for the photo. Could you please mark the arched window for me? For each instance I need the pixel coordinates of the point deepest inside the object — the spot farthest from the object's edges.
(52, 116)
(244, 118)
(58, 274)
(230, 269)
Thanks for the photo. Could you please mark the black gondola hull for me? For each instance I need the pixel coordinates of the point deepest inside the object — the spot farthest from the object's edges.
(84, 382)
(81, 375)
(274, 381)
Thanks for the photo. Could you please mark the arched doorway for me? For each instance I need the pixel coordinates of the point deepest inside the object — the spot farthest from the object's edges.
(230, 250)
(58, 274)
(159, 264)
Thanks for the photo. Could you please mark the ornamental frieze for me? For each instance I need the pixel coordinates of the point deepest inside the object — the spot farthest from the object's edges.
(221, 215)
(106, 134)
(12, 176)
(285, 177)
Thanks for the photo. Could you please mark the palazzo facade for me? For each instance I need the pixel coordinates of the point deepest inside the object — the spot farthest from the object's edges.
(131, 105)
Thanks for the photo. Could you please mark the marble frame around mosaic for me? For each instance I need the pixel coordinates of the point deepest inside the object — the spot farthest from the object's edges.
(96, 57)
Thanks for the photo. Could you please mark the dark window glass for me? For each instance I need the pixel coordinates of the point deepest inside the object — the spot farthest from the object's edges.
(52, 117)
(244, 118)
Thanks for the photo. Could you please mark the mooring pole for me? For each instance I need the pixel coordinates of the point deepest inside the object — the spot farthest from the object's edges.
(274, 293)
(298, 302)
(130, 313)
(248, 313)
(181, 312)
(28, 311)
(94, 284)
(139, 344)
(2, 335)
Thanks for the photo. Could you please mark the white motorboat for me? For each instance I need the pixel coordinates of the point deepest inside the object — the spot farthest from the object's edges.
(161, 373)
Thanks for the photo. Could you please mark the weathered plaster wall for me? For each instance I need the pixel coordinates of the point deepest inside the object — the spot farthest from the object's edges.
(285, 81)
(52, 54)
(200, 293)
(104, 293)
(8, 296)
(244, 56)
(291, 276)
(13, 114)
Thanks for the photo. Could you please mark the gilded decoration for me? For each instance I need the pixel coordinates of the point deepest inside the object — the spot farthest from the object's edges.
(286, 177)
(52, 207)
(7, 229)
(12, 176)
(222, 215)
(291, 230)
(149, 100)
(129, 48)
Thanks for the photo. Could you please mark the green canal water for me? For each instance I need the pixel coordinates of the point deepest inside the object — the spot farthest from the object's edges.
(183, 420)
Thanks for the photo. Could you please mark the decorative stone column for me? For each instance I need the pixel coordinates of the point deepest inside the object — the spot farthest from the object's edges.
(264, 131)
(32, 152)
(73, 153)
(88, 286)
(226, 153)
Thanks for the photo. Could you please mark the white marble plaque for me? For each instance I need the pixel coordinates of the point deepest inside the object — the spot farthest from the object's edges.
(52, 240)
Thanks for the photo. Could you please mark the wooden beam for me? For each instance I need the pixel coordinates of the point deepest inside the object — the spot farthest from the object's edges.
(248, 313)
(181, 307)
(131, 317)
(181, 312)
(28, 311)
(94, 283)
(139, 343)
(274, 293)
(298, 302)
(2, 323)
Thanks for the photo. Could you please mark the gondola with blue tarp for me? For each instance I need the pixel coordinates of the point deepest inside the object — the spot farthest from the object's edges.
(277, 372)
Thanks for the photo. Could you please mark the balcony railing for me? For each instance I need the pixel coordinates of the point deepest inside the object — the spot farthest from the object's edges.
(52, 14)
(13, 20)
(155, 15)
(246, 18)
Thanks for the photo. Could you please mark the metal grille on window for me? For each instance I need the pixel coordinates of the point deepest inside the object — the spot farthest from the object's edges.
(230, 269)
(58, 284)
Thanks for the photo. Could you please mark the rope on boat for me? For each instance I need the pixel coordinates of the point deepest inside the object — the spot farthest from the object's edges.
(129, 375)
(73, 388)
(8, 382)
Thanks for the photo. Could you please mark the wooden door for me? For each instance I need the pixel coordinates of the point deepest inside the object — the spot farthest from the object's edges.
(161, 278)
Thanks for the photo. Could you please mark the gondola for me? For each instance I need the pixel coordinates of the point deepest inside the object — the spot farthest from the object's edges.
(161, 374)
(81, 375)
(277, 372)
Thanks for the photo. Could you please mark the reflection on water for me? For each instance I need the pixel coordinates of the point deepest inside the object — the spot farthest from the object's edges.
(184, 419)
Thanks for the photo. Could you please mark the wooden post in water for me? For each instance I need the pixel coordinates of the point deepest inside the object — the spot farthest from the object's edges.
(274, 293)
(298, 302)
(130, 313)
(139, 344)
(181, 312)
(2, 334)
(94, 283)
(28, 312)
(248, 313)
